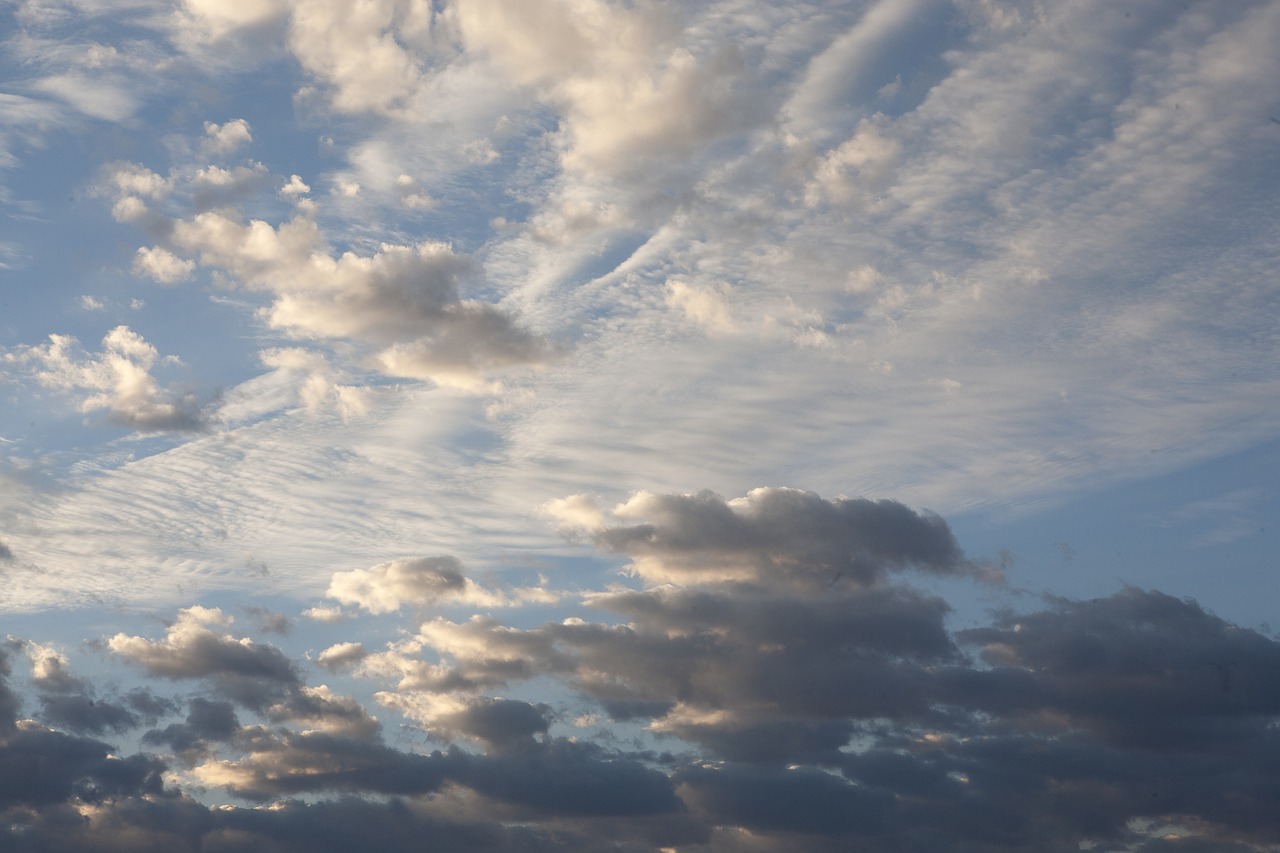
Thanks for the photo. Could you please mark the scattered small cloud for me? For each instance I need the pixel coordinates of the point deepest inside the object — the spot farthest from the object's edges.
(227, 137)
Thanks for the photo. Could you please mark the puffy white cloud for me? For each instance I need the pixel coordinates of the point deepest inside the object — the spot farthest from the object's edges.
(856, 170)
(132, 179)
(342, 655)
(389, 586)
(197, 25)
(162, 265)
(632, 94)
(420, 582)
(118, 380)
(357, 48)
(402, 298)
(295, 187)
(226, 137)
(215, 186)
(575, 514)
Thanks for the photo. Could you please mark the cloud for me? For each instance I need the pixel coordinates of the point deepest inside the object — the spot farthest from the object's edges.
(770, 530)
(97, 97)
(227, 137)
(420, 582)
(118, 380)
(162, 265)
(215, 186)
(208, 721)
(705, 306)
(401, 298)
(295, 187)
(252, 673)
(364, 52)
(387, 587)
(341, 655)
(632, 94)
(717, 711)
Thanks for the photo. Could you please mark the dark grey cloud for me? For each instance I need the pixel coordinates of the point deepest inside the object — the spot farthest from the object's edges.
(254, 674)
(500, 724)
(1105, 664)
(805, 800)
(208, 721)
(149, 706)
(79, 712)
(794, 715)
(774, 532)
(41, 767)
(568, 778)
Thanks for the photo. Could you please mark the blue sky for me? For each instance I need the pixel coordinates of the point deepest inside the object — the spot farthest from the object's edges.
(398, 393)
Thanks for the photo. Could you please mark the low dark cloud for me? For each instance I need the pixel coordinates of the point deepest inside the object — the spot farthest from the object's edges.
(208, 721)
(776, 533)
(78, 712)
(254, 674)
(500, 724)
(756, 711)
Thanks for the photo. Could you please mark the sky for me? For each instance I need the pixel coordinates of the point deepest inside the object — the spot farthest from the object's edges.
(653, 426)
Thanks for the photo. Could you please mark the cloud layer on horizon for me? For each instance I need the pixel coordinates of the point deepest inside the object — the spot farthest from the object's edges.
(716, 712)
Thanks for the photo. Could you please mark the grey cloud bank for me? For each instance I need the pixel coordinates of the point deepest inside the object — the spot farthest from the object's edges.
(772, 715)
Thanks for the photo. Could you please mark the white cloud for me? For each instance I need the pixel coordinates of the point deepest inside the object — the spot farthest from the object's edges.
(295, 187)
(575, 514)
(162, 265)
(422, 581)
(705, 306)
(213, 20)
(342, 655)
(227, 137)
(132, 179)
(401, 298)
(356, 48)
(97, 97)
(631, 93)
(118, 380)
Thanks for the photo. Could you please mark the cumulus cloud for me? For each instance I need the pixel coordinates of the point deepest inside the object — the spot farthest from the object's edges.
(340, 655)
(162, 265)
(367, 54)
(763, 712)
(419, 582)
(771, 531)
(192, 649)
(227, 137)
(402, 299)
(295, 187)
(119, 380)
(632, 94)
(215, 186)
